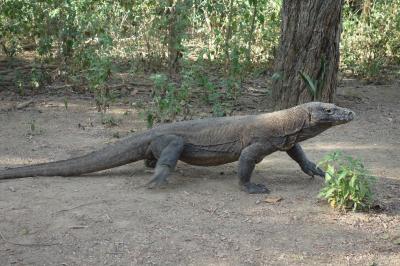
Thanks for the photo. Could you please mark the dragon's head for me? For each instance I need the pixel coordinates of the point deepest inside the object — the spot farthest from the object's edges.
(327, 114)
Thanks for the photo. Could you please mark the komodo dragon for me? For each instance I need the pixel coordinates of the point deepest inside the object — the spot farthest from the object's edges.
(211, 141)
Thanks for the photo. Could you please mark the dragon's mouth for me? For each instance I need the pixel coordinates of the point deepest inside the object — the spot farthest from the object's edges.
(344, 117)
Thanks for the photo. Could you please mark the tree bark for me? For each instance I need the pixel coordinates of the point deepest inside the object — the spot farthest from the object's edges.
(228, 37)
(250, 39)
(173, 39)
(310, 34)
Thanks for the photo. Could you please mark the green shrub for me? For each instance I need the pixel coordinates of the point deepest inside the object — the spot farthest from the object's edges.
(168, 100)
(347, 182)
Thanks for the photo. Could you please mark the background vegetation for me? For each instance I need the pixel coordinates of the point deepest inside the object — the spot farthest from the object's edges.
(185, 46)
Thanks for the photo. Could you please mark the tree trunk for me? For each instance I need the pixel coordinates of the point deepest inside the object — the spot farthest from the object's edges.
(310, 35)
(228, 37)
(173, 40)
(250, 39)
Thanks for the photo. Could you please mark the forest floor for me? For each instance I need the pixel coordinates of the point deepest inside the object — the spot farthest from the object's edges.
(201, 217)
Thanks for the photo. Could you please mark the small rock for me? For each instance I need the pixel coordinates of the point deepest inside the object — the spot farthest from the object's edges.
(80, 126)
(124, 92)
(134, 92)
(12, 189)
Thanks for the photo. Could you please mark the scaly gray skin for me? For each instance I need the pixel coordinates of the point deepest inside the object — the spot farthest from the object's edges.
(213, 141)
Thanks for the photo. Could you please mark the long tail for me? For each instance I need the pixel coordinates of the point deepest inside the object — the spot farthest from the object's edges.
(125, 151)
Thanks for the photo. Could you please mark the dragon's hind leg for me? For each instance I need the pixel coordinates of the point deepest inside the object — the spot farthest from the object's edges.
(167, 149)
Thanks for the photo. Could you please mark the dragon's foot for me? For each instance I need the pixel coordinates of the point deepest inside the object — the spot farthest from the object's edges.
(252, 188)
(157, 182)
(160, 177)
(312, 169)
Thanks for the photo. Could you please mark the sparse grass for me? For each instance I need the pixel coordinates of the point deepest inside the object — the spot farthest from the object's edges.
(109, 120)
(34, 129)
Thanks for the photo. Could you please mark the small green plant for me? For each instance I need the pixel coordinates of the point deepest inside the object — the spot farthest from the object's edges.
(211, 95)
(19, 83)
(104, 97)
(217, 109)
(315, 86)
(10, 44)
(38, 77)
(20, 87)
(32, 126)
(99, 72)
(168, 101)
(109, 120)
(347, 182)
(34, 130)
(66, 103)
(233, 80)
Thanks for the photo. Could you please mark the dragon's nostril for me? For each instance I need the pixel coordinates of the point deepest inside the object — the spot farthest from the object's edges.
(351, 115)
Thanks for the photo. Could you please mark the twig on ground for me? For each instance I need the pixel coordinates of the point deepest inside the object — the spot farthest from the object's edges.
(115, 253)
(58, 87)
(23, 105)
(78, 227)
(18, 106)
(27, 244)
(82, 205)
(27, 67)
(130, 85)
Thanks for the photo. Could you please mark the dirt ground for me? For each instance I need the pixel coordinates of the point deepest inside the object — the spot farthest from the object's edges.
(201, 218)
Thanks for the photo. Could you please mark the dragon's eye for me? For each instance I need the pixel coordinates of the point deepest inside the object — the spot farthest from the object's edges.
(329, 110)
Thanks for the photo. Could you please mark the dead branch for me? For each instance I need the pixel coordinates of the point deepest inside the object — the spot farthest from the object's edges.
(18, 106)
(82, 205)
(27, 244)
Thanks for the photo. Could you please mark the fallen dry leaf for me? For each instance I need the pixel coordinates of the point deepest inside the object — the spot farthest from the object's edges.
(134, 92)
(272, 199)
